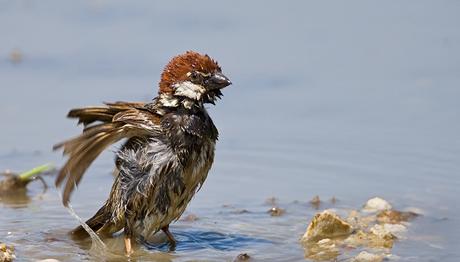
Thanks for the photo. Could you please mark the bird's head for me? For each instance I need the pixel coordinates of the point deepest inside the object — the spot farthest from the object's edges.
(193, 77)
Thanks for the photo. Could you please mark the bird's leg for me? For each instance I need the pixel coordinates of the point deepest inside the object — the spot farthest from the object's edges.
(170, 236)
(128, 237)
(128, 247)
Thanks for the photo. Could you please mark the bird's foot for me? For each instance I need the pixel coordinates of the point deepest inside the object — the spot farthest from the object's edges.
(171, 239)
(128, 247)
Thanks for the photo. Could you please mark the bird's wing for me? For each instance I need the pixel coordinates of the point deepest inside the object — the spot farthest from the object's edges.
(104, 126)
(89, 115)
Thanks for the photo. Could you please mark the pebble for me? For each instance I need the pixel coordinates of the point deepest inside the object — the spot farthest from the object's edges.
(243, 257)
(6, 253)
(365, 256)
(276, 211)
(190, 218)
(326, 225)
(395, 217)
(315, 202)
(394, 229)
(376, 204)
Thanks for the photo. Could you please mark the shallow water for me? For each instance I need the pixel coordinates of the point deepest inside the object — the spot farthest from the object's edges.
(347, 99)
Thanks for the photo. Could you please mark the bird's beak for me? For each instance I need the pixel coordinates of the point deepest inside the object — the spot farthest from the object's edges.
(218, 81)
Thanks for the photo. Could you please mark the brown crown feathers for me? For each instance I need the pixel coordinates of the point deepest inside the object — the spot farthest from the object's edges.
(176, 70)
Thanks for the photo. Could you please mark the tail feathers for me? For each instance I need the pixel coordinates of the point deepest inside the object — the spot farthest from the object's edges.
(96, 222)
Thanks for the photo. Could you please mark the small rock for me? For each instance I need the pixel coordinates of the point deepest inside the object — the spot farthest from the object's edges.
(395, 217)
(190, 218)
(396, 229)
(242, 257)
(241, 211)
(368, 239)
(368, 257)
(15, 56)
(334, 200)
(276, 211)
(376, 204)
(6, 253)
(315, 202)
(382, 232)
(48, 260)
(358, 221)
(326, 225)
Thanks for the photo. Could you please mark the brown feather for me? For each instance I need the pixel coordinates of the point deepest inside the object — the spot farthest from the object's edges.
(76, 148)
(92, 114)
(118, 121)
(83, 160)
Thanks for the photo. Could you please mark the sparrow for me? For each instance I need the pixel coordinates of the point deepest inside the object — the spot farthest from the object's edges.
(165, 159)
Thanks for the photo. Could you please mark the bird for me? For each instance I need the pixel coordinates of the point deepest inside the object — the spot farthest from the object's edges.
(167, 150)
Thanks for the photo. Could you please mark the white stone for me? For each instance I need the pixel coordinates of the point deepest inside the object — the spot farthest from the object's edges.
(389, 230)
(376, 204)
(381, 232)
(367, 257)
(396, 229)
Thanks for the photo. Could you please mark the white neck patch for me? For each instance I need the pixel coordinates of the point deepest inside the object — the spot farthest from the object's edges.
(189, 90)
(168, 100)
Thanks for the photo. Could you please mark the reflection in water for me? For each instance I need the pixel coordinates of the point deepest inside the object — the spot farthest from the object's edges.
(157, 246)
(17, 199)
(197, 240)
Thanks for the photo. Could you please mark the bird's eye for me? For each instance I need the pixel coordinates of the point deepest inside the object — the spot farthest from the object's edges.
(194, 76)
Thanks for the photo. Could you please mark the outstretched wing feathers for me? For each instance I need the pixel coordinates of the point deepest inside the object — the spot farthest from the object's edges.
(104, 126)
(89, 115)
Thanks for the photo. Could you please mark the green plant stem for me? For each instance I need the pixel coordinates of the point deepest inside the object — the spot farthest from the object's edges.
(27, 175)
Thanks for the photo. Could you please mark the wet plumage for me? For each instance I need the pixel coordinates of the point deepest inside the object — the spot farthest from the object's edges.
(168, 152)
